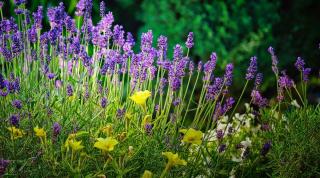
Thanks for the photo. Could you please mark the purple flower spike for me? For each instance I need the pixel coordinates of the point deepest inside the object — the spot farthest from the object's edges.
(228, 74)
(305, 74)
(258, 81)
(189, 42)
(14, 120)
(103, 102)
(148, 128)
(274, 60)
(69, 90)
(252, 69)
(177, 52)
(1, 4)
(299, 64)
(102, 9)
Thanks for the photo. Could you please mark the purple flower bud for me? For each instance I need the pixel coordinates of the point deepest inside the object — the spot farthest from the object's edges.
(252, 69)
(189, 42)
(50, 75)
(1, 4)
(17, 104)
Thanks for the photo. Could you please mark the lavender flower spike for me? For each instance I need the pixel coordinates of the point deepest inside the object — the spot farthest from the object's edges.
(252, 69)
(299, 64)
(228, 74)
(189, 42)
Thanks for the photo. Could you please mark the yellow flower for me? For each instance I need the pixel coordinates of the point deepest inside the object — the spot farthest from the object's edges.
(106, 144)
(15, 132)
(147, 174)
(192, 136)
(71, 98)
(141, 97)
(173, 159)
(40, 132)
(75, 145)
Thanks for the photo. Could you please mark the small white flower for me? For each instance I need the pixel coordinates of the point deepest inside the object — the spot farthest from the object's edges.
(295, 103)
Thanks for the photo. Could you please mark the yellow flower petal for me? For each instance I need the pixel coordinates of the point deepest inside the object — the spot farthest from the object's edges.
(173, 159)
(39, 132)
(105, 144)
(192, 136)
(15, 132)
(141, 97)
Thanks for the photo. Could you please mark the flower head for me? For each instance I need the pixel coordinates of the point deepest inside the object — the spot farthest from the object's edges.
(192, 136)
(75, 145)
(106, 144)
(40, 132)
(252, 69)
(15, 132)
(173, 159)
(141, 97)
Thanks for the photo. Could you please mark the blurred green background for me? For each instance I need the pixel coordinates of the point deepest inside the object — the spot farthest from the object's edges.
(235, 29)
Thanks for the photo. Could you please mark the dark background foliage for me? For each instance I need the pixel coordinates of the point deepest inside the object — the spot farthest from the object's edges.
(235, 29)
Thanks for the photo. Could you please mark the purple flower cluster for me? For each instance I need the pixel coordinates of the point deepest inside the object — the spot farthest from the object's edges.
(258, 99)
(17, 104)
(14, 120)
(3, 166)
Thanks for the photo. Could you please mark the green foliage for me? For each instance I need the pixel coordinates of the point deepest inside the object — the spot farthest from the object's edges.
(295, 144)
(234, 30)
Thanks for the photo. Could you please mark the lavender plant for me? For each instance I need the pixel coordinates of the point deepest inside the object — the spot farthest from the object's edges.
(78, 100)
